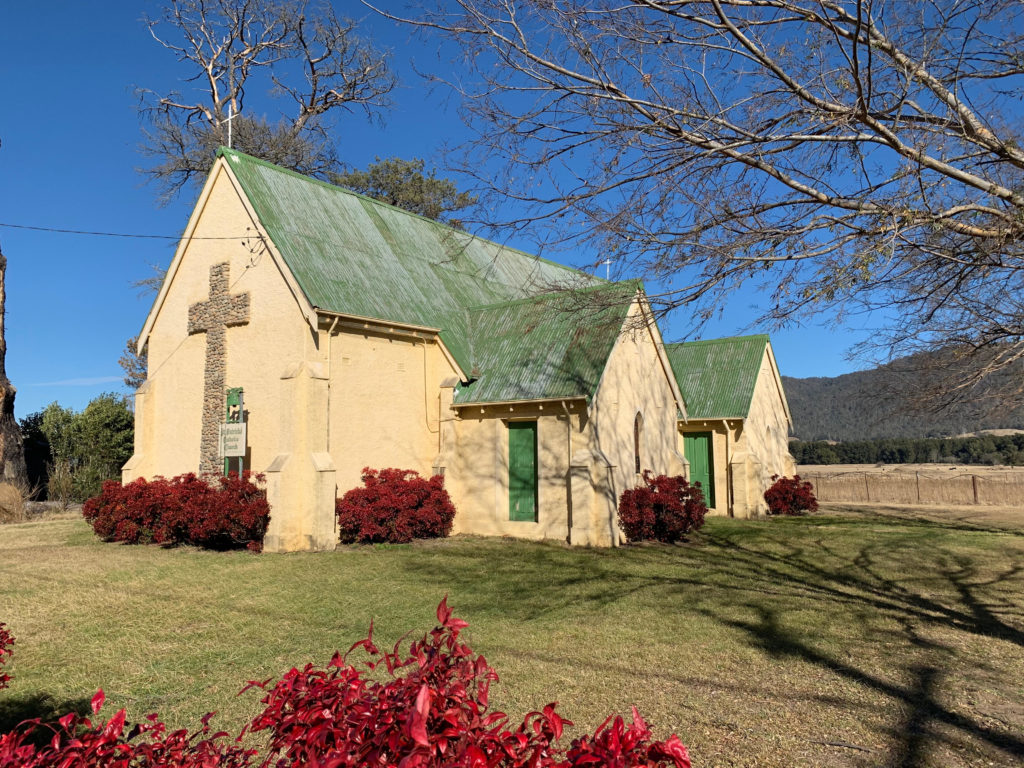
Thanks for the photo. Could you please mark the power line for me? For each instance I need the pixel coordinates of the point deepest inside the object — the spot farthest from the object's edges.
(117, 234)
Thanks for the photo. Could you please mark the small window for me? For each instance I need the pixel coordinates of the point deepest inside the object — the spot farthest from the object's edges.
(638, 434)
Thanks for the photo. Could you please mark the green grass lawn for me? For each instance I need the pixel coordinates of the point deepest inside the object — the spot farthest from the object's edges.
(860, 639)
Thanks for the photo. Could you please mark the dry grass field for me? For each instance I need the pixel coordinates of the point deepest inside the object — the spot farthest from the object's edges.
(929, 469)
(857, 637)
(938, 484)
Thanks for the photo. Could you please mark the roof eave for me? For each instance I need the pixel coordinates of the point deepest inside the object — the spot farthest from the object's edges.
(186, 236)
(222, 165)
(386, 326)
(777, 377)
(528, 401)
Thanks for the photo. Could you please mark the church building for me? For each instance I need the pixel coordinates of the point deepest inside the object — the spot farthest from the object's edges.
(348, 333)
(736, 436)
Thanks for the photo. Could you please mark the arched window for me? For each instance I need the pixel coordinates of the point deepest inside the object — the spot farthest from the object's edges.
(638, 433)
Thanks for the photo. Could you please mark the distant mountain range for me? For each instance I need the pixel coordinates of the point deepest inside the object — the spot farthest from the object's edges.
(872, 404)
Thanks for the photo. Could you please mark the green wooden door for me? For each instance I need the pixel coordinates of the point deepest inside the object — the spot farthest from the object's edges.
(522, 470)
(697, 447)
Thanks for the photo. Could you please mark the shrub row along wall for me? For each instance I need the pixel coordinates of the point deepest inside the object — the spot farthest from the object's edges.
(918, 488)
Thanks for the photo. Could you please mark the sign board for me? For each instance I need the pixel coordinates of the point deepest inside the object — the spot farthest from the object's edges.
(232, 439)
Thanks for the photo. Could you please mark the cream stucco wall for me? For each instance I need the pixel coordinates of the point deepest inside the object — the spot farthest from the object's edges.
(635, 381)
(765, 438)
(384, 402)
(170, 405)
(476, 467)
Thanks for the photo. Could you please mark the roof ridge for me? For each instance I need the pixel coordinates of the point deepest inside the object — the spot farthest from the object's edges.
(549, 294)
(723, 340)
(223, 151)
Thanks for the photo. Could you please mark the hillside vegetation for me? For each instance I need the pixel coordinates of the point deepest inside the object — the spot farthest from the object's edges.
(984, 449)
(882, 403)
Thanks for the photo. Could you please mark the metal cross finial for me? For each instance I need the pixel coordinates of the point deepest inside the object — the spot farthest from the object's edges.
(607, 268)
(231, 116)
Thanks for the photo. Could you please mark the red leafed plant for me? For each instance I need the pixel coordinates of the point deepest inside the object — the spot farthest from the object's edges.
(211, 512)
(77, 743)
(662, 509)
(431, 710)
(6, 641)
(424, 709)
(790, 496)
(394, 505)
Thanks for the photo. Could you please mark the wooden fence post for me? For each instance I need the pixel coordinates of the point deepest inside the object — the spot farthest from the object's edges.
(974, 483)
(867, 488)
(918, 476)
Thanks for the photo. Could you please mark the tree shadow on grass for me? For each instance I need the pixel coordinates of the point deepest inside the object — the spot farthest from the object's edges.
(926, 584)
(923, 710)
(538, 580)
(15, 710)
(820, 570)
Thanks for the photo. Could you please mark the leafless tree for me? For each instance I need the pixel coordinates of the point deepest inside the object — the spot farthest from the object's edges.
(134, 364)
(844, 155)
(305, 55)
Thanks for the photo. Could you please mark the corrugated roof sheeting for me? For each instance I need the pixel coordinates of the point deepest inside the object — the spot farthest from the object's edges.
(357, 256)
(552, 346)
(717, 377)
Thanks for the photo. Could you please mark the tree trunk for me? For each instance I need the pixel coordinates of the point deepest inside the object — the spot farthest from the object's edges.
(12, 450)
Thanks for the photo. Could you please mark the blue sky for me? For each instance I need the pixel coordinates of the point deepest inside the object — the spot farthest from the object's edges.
(70, 132)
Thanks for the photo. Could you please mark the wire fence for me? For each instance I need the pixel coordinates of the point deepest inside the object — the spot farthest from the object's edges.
(919, 488)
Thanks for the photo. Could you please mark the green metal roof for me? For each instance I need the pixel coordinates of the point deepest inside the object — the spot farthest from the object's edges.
(717, 377)
(550, 346)
(358, 256)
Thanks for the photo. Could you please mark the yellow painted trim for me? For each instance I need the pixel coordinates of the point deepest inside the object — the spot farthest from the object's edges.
(376, 321)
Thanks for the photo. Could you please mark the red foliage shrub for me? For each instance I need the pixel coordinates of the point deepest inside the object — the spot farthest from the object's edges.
(6, 641)
(232, 514)
(395, 505)
(77, 743)
(424, 709)
(432, 710)
(790, 496)
(216, 513)
(663, 509)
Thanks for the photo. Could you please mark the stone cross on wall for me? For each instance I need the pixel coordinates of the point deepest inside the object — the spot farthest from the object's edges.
(213, 317)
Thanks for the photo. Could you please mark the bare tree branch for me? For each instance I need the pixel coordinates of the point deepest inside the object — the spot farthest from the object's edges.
(306, 53)
(858, 156)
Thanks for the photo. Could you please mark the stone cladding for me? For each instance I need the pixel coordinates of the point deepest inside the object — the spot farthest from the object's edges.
(213, 317)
